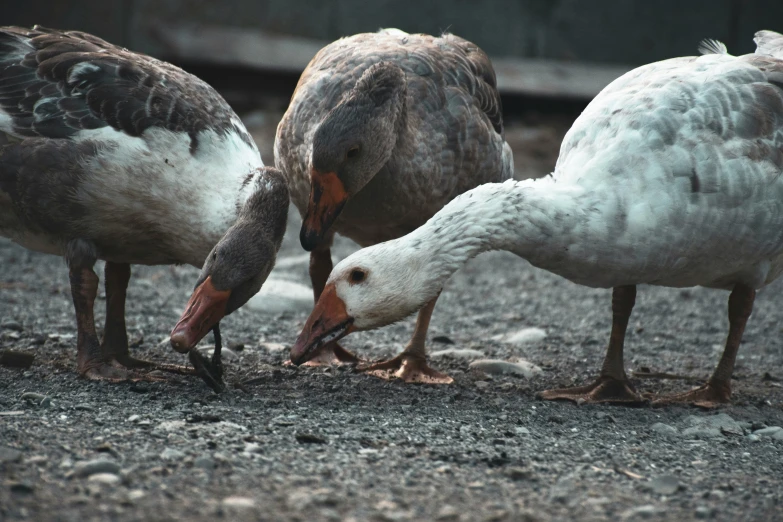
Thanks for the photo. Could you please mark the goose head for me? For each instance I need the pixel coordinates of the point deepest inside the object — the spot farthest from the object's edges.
(239, 263)
(351, 145)
(373, 287)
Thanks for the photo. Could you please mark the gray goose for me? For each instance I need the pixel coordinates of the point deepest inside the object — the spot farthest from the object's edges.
(382, 131)
(108, 154)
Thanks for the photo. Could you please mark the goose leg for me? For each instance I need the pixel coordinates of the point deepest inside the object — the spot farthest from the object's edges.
(612, 385)
(90, 359)
(320, 268)
(717, 390)
(411, 365)
(115, 335)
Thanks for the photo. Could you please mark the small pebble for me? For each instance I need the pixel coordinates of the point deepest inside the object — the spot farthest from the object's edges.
(272, 347)
(516, 473)
(206, 463)
(640, 512)
(8, 455)
(499, 367)
(91, 467)
(310, 438)
(109, 479)
(136, 494)
(10, 324)
(252, 447)
(665, 485)
(23, 488)
(239, 503)
(663, 429)
(697, 432)
(447, 513)
(32, 397)
(768, 432)
(172, 454)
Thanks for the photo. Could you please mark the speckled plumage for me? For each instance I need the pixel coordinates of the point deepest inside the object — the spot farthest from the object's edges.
(143, 160)
(108, 154)
(453, 133)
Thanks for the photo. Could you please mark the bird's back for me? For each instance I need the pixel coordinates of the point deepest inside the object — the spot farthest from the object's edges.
(680, 167)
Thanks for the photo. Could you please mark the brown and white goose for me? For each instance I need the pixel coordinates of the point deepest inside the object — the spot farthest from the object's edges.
(383, 130)
(108, 154)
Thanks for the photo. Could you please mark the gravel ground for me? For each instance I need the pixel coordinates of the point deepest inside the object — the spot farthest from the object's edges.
(330, 444)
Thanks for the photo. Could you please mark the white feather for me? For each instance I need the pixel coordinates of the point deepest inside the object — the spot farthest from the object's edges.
(710, 46)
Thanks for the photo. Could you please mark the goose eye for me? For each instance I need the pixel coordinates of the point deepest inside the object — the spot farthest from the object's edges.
(214, 255)
(352, 152)
(357, 275)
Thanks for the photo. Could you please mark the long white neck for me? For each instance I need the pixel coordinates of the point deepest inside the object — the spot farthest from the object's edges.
(533, 219)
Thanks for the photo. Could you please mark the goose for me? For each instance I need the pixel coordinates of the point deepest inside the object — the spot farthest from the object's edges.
(113, 155)
(671, 176)
(382, 131)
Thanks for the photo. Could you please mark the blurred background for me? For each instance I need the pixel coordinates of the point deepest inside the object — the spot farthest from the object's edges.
(551, 56)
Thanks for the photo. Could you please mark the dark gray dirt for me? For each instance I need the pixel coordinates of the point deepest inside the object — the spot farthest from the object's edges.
(330, 444)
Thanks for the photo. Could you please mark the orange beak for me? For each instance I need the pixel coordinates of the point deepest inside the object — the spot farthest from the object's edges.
(207, 306)
(327, 198)
(329, 321)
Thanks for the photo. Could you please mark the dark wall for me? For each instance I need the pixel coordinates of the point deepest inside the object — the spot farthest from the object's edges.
(613, 31)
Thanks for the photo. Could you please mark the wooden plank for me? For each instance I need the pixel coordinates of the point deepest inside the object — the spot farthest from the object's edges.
(549, 78)
(220, 45)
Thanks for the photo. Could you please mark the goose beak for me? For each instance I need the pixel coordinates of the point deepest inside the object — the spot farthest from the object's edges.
(329, 321)
(206, 308)
(327, 198)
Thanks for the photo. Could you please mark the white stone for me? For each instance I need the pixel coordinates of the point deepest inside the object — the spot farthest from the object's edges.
(272, 347)
(252, 447)
(136, 494)
(235, 502)
(172, 454)
(499, 367)
(110, 479)
(523, 336)
(279, 295)
(768, 432)
(172, 425)
(457, 353)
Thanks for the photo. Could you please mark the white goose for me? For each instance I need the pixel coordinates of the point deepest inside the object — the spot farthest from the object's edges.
(671, 177)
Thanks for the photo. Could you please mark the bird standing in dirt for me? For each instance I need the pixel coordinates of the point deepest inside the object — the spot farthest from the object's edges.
(109, 154)
(382, 131)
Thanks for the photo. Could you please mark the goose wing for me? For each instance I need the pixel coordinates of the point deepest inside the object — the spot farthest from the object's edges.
(55, 84)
